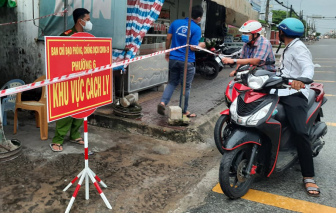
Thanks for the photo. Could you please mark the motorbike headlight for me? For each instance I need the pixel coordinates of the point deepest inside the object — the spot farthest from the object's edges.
(256, 82)
(253, 120)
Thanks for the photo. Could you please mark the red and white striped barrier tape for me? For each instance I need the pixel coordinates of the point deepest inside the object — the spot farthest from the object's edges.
(46, 82)
(35, 18)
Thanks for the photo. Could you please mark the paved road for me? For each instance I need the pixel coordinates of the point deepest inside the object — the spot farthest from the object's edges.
(281, 191)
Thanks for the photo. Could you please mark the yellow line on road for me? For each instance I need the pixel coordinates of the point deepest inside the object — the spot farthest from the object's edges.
(331, 124)
(282, 201)
(329, 95)
(323, 66)
(324, 81)
(326, 71)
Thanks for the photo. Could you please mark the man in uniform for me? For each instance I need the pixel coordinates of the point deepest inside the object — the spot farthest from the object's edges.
(82, 22)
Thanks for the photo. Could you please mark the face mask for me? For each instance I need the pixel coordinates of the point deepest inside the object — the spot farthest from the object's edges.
(245, 38)
(88, 25)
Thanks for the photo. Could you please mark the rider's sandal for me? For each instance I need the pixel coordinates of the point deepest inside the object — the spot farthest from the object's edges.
(305, 181)
(56, 150)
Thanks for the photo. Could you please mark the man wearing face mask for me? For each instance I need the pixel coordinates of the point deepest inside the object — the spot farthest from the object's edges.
(81, 17)
(257, 50)
(296, 61)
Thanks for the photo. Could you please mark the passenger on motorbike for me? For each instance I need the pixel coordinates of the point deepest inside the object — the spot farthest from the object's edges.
(257, 50)
(296, 61)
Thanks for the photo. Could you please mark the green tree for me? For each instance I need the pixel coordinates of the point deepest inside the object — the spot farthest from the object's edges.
(279, 15)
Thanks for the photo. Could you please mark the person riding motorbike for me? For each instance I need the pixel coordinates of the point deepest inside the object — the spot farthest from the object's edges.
(296, 61)
(257, 50)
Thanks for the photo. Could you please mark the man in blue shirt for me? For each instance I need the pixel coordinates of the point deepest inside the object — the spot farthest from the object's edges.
(177, 36)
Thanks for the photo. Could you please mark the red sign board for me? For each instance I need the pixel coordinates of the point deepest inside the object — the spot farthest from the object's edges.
(68, 55)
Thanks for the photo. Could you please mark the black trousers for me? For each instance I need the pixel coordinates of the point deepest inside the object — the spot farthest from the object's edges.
(296, 108)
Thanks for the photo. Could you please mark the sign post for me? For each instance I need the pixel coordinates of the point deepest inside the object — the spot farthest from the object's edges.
(79, 97)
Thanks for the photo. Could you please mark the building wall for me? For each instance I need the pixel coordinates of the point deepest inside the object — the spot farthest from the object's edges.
(20, 56)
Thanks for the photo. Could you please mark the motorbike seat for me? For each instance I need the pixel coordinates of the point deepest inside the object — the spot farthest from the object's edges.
(281, 115)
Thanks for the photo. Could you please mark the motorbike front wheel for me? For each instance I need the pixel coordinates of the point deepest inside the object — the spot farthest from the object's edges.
(221, 132)
(210, 71)
(232, 178)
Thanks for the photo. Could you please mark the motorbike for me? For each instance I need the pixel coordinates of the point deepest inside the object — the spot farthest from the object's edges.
(258, 140)
(232, 91)
(234, 52)
(207, 65)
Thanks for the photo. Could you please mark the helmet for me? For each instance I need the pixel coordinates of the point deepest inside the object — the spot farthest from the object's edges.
(251, 26)
(292, 27)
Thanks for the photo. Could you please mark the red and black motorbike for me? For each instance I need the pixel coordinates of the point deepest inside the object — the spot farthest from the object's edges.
(258, 139)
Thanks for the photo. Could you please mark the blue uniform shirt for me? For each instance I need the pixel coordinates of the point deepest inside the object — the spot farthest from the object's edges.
(179, 29)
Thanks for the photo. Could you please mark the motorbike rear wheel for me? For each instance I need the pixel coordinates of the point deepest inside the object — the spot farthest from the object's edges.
(232, 179)
(221, 132)
(211, 69)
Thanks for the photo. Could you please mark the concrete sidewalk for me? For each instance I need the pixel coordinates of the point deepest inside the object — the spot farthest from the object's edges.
(206, 100)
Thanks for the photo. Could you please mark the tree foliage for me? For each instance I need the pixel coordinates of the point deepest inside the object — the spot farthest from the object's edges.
(279, 15)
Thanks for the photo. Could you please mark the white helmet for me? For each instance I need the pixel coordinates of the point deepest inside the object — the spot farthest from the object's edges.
(251, 26)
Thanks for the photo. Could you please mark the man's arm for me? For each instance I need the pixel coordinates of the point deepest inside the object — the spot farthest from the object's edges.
(306, 64)
(168, 41)
(253, 61)
(201, 44)
(195, 38)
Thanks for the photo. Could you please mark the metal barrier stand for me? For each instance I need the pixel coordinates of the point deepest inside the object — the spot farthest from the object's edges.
(86, 173)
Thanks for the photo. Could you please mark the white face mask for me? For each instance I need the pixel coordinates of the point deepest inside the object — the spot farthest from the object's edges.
(88, 25)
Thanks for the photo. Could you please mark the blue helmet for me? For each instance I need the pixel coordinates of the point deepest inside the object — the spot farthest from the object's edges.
(292, 27)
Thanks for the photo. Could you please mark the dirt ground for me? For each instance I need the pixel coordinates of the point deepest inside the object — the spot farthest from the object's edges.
(142, 175)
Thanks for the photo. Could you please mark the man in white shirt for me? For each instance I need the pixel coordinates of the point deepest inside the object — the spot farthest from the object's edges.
(296, 61)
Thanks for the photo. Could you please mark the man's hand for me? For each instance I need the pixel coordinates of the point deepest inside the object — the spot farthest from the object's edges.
(297, 85)
(202, 44)
(232, 74)
(227, 61)
(167, 57)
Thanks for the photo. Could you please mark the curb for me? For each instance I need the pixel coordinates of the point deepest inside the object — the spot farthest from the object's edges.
(200, 131)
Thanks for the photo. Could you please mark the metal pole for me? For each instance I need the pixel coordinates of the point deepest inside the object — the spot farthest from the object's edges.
(65, 15)
(1, 127)
(267, 11)
(306, 26)
(186, 58)
(290, 12)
